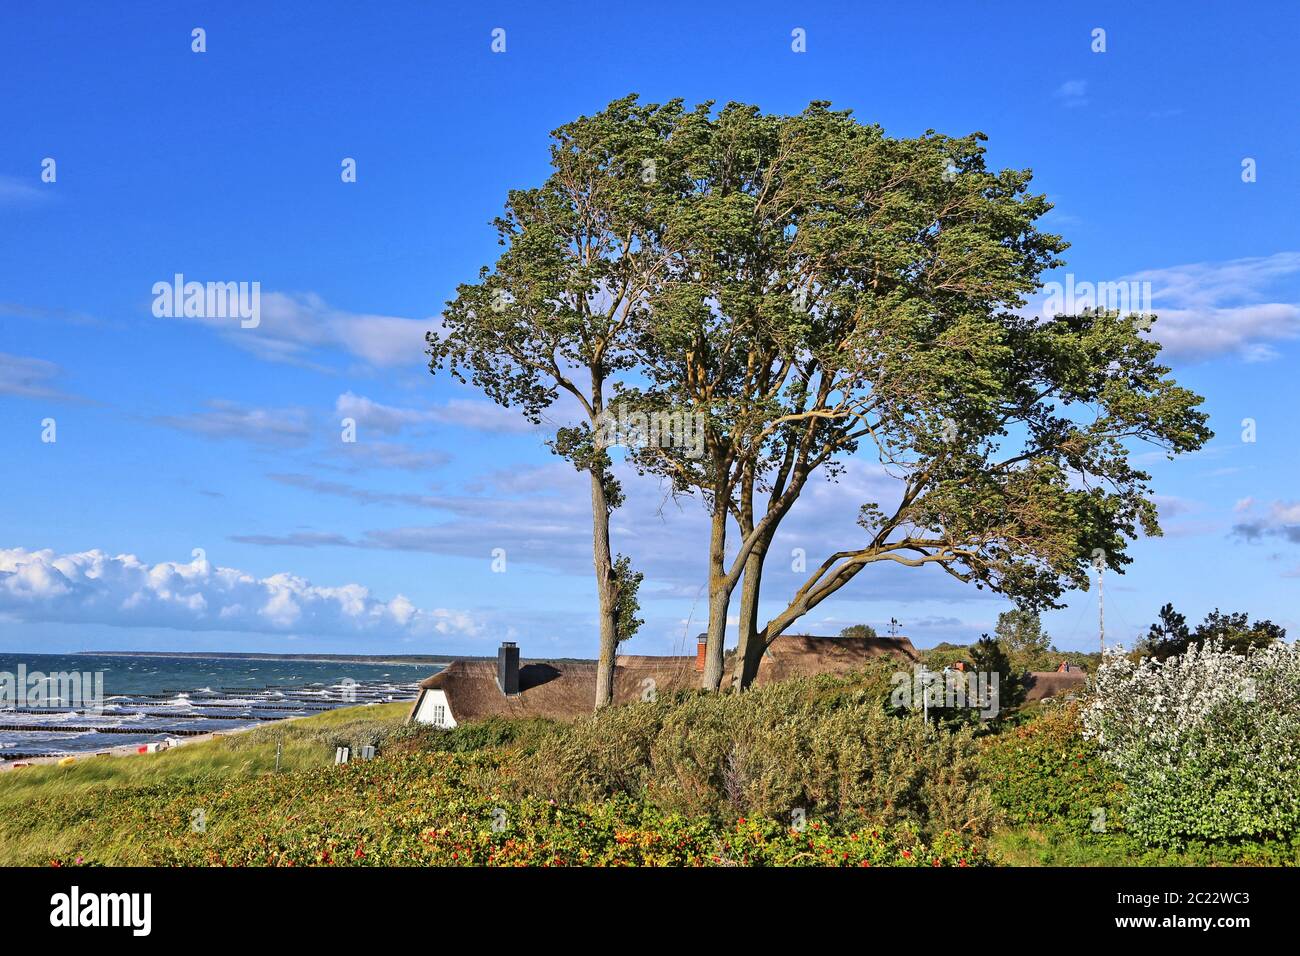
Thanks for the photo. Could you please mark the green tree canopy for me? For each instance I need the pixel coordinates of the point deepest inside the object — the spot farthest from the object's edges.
(1021, 633)
(859, 631)
(1171, 637)
(558, 312)
(1168, 637)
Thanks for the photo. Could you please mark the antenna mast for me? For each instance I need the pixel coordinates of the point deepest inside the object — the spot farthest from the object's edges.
(1101, 605)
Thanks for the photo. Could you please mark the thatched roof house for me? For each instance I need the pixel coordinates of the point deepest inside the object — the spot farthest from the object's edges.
(1067, 679)
(469, 690)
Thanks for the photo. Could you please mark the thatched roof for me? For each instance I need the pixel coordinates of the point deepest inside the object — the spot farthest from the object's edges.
(796, 655)
(565, 690)
(1043, 684)
(561, 690)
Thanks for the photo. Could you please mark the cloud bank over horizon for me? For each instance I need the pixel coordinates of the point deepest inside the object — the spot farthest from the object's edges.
(123, 591)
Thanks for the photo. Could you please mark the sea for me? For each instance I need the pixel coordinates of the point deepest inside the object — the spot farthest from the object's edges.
(155, 698)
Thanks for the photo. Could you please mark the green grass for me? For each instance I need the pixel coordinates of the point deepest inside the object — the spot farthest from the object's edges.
(48, 811)
(1047, 846)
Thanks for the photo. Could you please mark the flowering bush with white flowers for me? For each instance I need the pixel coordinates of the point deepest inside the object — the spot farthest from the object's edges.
(1206, 743)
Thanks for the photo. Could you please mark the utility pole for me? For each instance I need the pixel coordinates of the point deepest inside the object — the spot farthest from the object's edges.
(1101, 605)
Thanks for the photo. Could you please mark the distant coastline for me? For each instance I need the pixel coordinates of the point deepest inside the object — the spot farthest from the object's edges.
(250, 656)
(319, 658)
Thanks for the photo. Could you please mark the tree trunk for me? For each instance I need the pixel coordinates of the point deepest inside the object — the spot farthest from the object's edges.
(806, 602)
(719, 600)
(605, 588)
(749, 653)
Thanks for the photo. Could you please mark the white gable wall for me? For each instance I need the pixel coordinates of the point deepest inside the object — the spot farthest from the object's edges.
(434, 710)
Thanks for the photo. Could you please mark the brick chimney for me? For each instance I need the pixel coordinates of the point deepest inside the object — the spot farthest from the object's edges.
(701, 649)
(508, 668)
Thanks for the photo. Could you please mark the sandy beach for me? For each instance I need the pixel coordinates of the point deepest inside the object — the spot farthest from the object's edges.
(126, 750)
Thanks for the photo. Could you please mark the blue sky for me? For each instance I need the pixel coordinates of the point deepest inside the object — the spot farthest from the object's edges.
(175, 435)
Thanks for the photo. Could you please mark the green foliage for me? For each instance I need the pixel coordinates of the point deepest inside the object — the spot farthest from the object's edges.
(945, 655)
(1050, 782)
(521, 734)
(1235, 632)
(1043, 772)
(50, 811)
(988, 657)
(859, 631)
(1027, 644)
(688, 780)
(439, 798)
(626, 584)
(718, 756)
(441, 810)
(1171, 637)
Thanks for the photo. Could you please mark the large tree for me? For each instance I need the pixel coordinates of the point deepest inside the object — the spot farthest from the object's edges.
(1009, 437)
(1021, 633)
(724, 340)
(834, 286)
(807, 287)
(558, 312)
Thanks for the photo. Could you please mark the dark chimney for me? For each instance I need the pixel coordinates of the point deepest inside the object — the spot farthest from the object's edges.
(508, 668)
(701, 651)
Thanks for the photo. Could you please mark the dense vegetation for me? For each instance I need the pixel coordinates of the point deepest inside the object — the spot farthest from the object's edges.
(1207, 743)
(808, 772)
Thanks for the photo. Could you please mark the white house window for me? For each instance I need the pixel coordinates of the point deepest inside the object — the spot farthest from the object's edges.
(439, 714)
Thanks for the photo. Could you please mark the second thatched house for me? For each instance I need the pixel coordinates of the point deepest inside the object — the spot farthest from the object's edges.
(1066, 681)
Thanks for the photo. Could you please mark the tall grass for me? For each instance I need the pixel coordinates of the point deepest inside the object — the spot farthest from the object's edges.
(48, 811)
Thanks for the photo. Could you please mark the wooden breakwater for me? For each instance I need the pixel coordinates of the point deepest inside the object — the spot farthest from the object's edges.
(67, 729)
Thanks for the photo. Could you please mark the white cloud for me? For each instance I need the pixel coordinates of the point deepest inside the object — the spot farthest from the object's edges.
(30, 378)
(387, 419)
(1225, 308)
(474, 414)
(225, 419)
(15, 191)
(1239, 308)
(121, 590)
(1073, 92)
(294, 327)
(365, 454)
(1281, 519)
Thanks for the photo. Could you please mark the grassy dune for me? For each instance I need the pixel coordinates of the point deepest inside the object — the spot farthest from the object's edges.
(534, 793)
(47, 811)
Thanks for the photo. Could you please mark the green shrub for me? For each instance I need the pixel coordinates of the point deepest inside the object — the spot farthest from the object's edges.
(1044, 772)
(1207, 743)
(824, 746)
(604, 756)
(444, 809)
(495, 732)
